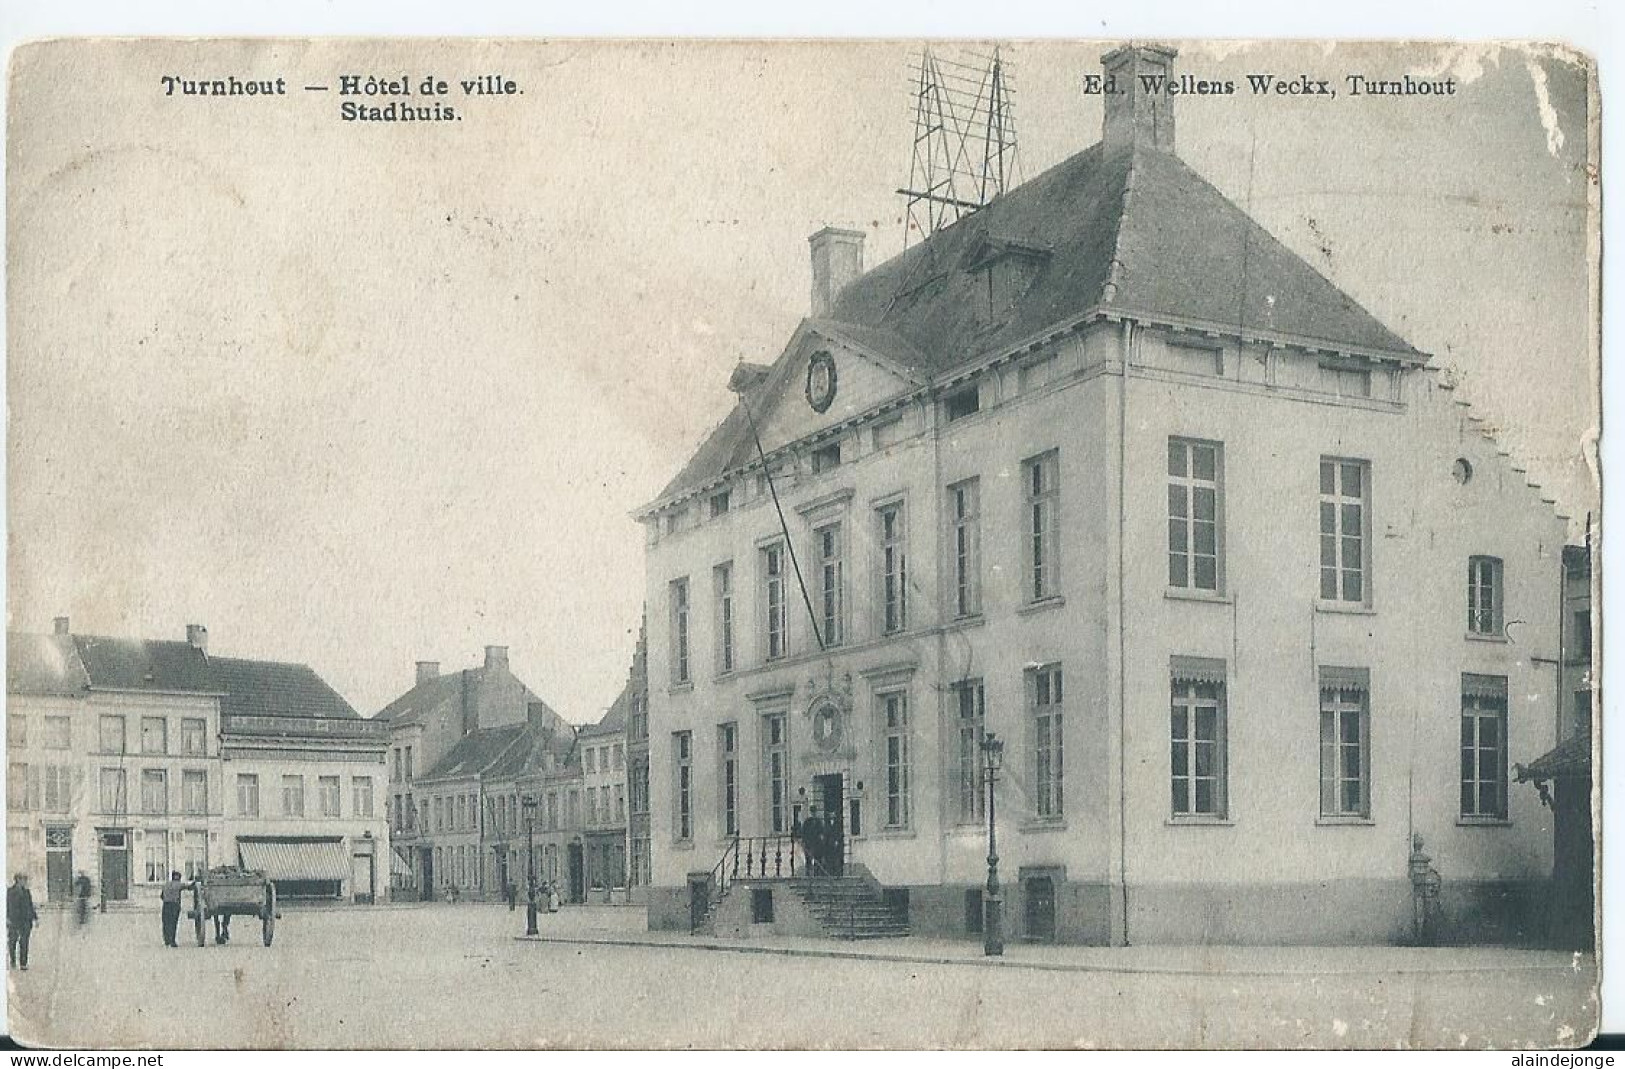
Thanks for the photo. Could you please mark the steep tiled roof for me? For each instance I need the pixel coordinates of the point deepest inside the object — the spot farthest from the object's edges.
(424, 699)
(43, 665)
(270, 688)
(525, 755)
(1136, 232)
(476, 752)
(444, 694)
(1188, 251)
(143, 664)
(63, 664)
(613, 722)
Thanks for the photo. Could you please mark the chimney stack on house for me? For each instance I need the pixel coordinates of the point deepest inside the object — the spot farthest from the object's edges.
(197, 637)
(60, 625)
(837, 259)
(496, 656)
(470, 708)
(1139, 109)
(427, 670)
(536, 715)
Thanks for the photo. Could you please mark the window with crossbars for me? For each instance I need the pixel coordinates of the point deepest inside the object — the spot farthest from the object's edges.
(1049, 799)
(894, 720)
(1197, 748)
(1484, 588)
(1193, 514)
(1483, 748)
(1345, 744)
(1345, 487)
(970, 722)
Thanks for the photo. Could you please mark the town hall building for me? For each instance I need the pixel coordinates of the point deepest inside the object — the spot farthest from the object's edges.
(1106, 471)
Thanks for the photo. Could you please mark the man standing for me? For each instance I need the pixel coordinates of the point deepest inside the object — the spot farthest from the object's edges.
(20, 918)
(172, 908)
(81, 887)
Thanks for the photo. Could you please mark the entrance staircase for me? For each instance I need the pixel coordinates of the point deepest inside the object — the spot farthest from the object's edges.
(846, 906)
(849, 907)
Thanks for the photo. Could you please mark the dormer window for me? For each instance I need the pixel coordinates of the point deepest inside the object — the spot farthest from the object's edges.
(826, 457)
(963, 402)
(1007, 267)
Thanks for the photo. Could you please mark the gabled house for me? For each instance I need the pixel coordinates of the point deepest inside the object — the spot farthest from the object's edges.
(437, 828)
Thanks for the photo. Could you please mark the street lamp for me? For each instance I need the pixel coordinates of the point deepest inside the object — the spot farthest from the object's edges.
(529, 805)
(993, 916)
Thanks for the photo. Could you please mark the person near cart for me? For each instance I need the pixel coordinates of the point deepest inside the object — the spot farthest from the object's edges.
(171, 897)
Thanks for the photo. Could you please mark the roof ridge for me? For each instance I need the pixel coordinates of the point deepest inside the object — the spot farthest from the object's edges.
(261, 660)
(1114, 263)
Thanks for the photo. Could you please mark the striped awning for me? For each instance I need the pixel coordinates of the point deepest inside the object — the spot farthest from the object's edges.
(1196, 670)
(1492, 687)
(398, 864)
(296, 859)
(1343, 679)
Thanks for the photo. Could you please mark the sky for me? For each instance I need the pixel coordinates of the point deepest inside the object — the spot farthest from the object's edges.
(361, 394)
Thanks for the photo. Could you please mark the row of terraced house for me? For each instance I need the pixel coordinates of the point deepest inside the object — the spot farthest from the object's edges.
(132, 758)
(488, 787)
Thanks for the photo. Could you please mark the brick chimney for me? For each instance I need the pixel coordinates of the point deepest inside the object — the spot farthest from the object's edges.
(496, 656)
(837, 259)
(471, 708)
(1139, 110)
(428, 670)
(536, 715)
(60, 625)
(197, 636)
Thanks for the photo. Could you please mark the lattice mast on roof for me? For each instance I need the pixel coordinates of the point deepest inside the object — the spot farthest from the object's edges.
(964, 140)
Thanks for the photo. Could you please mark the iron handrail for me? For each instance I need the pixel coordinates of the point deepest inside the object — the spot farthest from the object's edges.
(754, 857)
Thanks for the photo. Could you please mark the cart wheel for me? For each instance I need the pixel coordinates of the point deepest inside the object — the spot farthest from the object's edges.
(268, 919)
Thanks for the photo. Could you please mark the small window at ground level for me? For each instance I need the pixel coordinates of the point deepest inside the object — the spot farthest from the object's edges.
(761, 905)
(973, 911)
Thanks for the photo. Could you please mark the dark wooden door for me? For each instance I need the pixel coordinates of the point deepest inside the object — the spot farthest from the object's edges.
(426, 867)
(1040, 909)
(699, 901)
(578, 886)
(116, 865)
(59, 875)
(59, 863)
(832, 814)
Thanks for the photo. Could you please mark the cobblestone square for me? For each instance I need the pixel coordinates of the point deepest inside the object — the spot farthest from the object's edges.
(455, 976)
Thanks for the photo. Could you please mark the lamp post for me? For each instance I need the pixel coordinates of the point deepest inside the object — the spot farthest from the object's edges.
(993, 915)
(529, 805)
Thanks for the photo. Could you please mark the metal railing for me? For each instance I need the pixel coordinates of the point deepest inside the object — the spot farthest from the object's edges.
(750, 857)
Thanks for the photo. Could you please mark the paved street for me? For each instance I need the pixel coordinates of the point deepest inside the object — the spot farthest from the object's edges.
(455, 976)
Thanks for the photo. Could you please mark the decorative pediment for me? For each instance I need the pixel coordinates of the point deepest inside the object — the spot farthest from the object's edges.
(821, 381)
